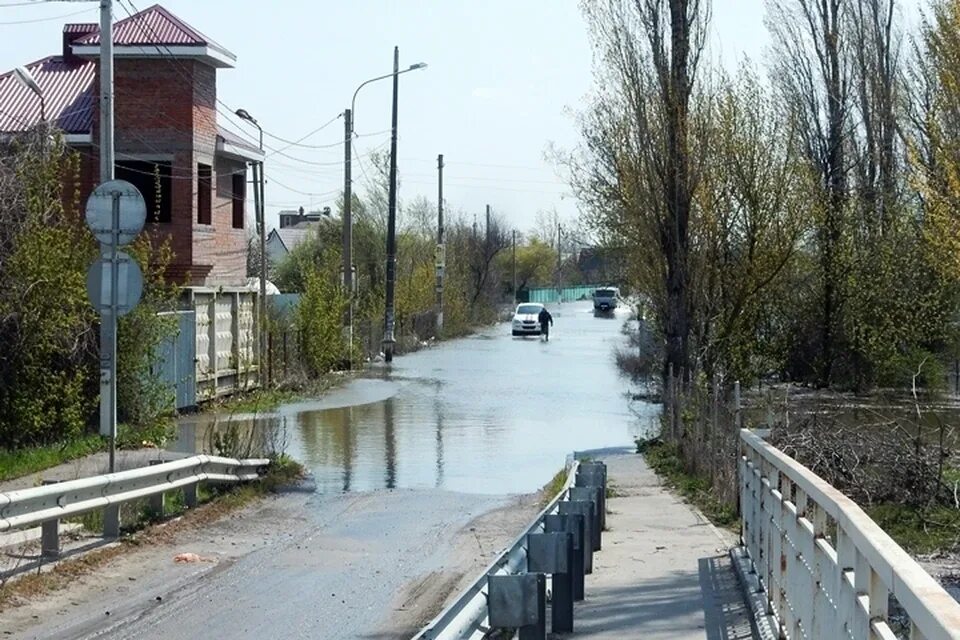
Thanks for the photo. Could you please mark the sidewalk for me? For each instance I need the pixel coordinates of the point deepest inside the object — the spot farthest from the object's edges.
(92, 465)
(663, 571)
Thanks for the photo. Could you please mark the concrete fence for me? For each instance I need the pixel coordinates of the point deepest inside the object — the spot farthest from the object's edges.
(227, 344)
(821, 566)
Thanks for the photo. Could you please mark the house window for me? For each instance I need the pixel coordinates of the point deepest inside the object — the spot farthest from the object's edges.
(239, 195)
(153, 181)
(204, 193)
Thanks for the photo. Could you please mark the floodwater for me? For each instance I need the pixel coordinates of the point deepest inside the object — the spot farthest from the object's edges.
(486, 414)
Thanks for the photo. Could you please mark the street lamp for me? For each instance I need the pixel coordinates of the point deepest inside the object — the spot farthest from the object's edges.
(348, 284)
(259, 207)
(26, 79)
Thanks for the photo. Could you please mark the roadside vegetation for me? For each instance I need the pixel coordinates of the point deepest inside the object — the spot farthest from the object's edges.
(797, 227)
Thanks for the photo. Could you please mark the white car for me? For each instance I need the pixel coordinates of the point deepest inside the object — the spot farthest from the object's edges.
(526, 319)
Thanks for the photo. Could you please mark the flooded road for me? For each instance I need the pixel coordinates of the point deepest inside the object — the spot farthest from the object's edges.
(486, 414)
(417, 469)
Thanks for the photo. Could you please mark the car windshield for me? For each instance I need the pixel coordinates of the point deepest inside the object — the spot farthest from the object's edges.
(605, 293)
(525, 309)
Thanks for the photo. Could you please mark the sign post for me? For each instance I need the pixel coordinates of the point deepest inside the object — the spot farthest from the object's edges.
(115, 213)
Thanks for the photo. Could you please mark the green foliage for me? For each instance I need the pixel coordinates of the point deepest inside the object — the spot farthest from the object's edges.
(24, 461)
(141, 397)
(919, 530)
(319, 317)
(46, 370)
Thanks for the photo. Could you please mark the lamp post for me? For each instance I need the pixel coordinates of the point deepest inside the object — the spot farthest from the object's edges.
(348, 120)
(27, 80)
(259, 207)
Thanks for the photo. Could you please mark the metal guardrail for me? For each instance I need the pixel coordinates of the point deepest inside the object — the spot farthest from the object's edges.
(464, 618)
(826, 569)
(39, 505)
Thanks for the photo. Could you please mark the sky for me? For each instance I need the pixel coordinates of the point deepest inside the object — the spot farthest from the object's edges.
(503, 81)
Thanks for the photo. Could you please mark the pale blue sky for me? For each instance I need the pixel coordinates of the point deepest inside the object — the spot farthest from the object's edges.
(502, 76)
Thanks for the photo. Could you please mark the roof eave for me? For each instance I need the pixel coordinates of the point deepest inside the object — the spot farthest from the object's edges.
(237, 152)
(213, 55)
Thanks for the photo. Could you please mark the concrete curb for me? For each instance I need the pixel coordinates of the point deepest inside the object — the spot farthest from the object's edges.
(764, 625)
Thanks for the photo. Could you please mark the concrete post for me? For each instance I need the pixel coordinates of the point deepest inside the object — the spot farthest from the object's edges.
(50, 534)
(553, 553)
(518, 602)
(591, 494)
(572, 524)
(156, 502)
(584, 509)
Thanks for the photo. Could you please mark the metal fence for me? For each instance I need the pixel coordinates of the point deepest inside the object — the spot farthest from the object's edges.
(175, 365)
(46, 505)
(545, 295)
(825, 569)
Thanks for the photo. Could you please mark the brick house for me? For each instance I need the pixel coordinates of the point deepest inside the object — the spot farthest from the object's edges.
(192, 172)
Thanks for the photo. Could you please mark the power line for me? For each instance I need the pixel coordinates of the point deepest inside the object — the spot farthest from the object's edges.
(47, 19)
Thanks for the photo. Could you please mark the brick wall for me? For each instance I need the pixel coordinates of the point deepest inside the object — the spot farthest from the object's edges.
(166, 110)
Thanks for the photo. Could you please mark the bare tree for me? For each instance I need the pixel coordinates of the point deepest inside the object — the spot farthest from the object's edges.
(642, 169)
(813, 75)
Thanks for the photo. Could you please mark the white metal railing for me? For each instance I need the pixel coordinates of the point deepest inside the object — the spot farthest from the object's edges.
(35, 506)
(826, 569)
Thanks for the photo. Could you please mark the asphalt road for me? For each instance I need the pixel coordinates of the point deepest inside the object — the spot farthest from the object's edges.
(416, 471)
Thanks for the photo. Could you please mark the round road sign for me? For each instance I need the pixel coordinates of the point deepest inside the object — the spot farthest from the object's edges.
(129, 283)
(131, 212)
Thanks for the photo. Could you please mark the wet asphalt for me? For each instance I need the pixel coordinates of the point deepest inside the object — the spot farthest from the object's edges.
(401, 461)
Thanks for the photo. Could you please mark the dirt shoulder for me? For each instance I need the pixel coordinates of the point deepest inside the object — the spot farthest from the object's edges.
(471, 550)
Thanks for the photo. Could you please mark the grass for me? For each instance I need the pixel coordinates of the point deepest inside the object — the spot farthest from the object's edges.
(553, 488)
(257, 400)
(919, 531)
(215, 503)
(21, 462)
(665, 460)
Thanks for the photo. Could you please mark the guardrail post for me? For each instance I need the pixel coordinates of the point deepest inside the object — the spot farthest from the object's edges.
(518, 602)
(584, 509)
(157, 501)
(571, 523)
(594, 474)
(592, 495)
(553, 553)
(191, 496)
(111, 521)
(50, 534)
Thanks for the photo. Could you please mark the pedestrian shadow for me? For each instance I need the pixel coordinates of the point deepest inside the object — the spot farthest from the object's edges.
(726, 614)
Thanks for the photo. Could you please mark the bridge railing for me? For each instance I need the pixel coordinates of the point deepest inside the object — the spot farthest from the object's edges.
(825, 568)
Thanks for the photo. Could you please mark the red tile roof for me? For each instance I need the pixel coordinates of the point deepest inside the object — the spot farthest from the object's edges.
(68, 94)
(68, 84)
(152, 26)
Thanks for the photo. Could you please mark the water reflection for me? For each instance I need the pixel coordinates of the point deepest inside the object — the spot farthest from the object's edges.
(485, 414)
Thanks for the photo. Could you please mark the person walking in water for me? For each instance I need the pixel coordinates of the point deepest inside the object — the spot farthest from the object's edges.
(545, 321)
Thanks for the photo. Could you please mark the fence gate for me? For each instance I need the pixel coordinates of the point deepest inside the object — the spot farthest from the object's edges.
(176, 362)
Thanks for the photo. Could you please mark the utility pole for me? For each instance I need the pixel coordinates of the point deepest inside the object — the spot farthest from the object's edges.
(108, 321)
(388, 338)
(514, 267)
(441, 253)
(559, 273)
(348, 230)
(487, 232)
